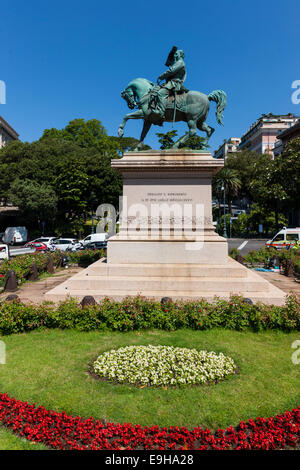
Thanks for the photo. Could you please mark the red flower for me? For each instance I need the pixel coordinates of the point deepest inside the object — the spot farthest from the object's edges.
(63, 432)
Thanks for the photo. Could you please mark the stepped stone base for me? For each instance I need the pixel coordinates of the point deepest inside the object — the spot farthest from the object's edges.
(178, 281)
(167, 245)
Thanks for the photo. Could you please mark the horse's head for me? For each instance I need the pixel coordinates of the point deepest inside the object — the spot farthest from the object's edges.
(136, 89)
(129, 97)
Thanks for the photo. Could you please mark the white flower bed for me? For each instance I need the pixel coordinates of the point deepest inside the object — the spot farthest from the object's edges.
(162, 365)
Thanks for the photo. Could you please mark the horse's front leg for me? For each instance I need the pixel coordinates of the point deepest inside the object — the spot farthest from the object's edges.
(137, 115)
(145, 131)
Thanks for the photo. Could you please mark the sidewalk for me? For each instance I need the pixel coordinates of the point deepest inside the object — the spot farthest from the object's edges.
(287, 284)
(33, 292)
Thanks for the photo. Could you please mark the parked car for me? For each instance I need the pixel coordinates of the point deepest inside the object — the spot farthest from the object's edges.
(284, 238)
(14, 235)
(64, 244)
(47, 240)
(94, 237)
(95, 245)
(4, 254)
(37, 245)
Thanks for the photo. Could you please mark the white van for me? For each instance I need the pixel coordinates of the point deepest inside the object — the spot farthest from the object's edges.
(13, 235)
(284, 238)
(4, 254)
(94, 237)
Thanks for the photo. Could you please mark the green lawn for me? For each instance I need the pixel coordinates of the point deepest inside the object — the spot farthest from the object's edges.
(50, 369)
(8, 441)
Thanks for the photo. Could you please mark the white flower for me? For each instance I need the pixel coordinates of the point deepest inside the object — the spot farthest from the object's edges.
(163, 365)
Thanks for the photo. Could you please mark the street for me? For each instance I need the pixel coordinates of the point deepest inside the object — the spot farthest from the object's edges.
(244, 245)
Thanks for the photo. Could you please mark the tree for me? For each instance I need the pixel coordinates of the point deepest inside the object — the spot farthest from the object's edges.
(89, 133)
(166, 139)
(73, 171)
(249, 165)
(126, 144)
(37, 202)
(229, 179)
(288, 173)
(196, 142)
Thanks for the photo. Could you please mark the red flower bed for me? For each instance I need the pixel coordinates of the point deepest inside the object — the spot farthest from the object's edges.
(60, 431)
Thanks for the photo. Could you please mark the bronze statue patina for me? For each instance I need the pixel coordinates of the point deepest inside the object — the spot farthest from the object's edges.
(171, 101)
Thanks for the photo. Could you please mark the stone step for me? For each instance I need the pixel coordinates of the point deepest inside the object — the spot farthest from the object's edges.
(165, 284)
(273, 297)
(167, 270)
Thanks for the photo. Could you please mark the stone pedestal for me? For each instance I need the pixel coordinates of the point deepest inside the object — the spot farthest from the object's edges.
(167, 216)
(167, 245)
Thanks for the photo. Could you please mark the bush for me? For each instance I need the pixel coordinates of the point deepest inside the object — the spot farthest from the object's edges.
(22, 264)
(86, 257)
(138, 313)
(265, 254)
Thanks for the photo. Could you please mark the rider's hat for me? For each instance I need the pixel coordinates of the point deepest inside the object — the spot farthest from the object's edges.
(170, 58)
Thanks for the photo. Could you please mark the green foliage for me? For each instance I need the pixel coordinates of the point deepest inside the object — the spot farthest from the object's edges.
(248, 224)
(86, 257)
(264, 255)
(84, 133)
(166, 139)
(250, 166)
(22, 264)
(126, 144)
(138, 313)
(288, 172)
(61, 176)
(229, 179)
(37, 201)
(196, 142)
(273, 185)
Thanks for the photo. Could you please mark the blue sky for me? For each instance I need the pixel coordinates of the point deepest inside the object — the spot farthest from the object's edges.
(70, 59)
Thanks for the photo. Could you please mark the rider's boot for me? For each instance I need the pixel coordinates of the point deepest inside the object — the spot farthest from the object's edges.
(162, 102)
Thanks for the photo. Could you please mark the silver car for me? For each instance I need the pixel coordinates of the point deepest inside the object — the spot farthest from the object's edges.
(64, 244)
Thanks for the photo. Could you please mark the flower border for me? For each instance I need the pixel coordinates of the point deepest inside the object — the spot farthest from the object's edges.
(63, 432)
(161, 365)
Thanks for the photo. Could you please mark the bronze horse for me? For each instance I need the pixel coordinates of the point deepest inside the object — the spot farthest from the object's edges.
(193, 110)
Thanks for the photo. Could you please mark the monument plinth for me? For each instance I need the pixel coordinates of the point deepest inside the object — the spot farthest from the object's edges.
(167, 244)
(167, 211)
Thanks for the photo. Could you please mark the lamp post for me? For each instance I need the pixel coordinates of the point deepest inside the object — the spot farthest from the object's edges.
(224, 202)
(93, 200)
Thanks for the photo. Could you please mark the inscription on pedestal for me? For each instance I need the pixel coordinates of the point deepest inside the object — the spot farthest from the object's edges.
(168, 196)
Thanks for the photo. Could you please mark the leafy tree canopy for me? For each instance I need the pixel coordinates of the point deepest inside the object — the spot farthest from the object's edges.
(74, 162)
(167, 140)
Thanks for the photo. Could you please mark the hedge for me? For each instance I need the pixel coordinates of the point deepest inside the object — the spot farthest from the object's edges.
(85, 257)
(22, 264)
(139, 313)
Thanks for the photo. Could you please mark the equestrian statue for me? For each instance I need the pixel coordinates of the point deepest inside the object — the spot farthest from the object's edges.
(171, 102)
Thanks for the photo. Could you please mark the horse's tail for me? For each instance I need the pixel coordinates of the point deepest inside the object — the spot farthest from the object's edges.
(220, 98)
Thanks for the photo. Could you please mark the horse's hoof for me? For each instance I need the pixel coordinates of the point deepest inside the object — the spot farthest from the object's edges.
(120, 132)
